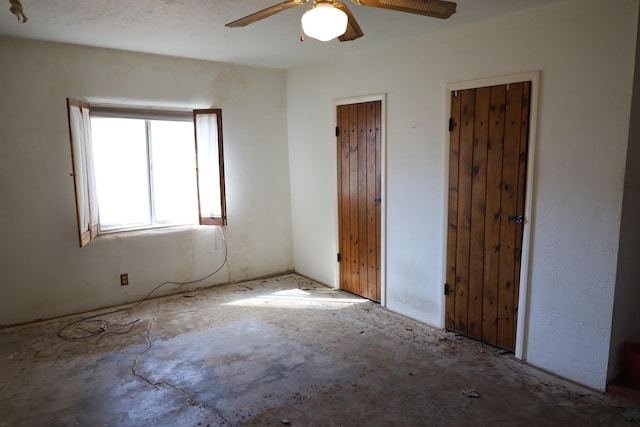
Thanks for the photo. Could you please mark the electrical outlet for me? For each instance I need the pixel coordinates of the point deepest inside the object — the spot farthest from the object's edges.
(124, 279)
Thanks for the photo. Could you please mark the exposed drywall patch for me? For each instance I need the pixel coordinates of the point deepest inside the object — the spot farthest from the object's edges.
(61, 75)
(225, 84)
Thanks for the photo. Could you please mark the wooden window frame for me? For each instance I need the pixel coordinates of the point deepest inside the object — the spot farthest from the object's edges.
(91, 232)
(83, 201)
(206, 219)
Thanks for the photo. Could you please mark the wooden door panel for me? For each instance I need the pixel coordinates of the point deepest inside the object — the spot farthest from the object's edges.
(378, 143)
(522, 184)
(362, 200)
(510, 162)
(452, 217)
(487, 170)
(478, 200)
(353, 229)
(372, 204)
(464, 211)
(344, 149)
(359, 175)
(492, 217)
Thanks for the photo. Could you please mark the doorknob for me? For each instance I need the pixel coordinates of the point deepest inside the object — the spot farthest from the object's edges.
(378, 199)
(517, 219)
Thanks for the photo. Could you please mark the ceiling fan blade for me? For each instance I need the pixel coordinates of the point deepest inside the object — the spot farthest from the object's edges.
(265, 13)
(353, 28)
(434, 8)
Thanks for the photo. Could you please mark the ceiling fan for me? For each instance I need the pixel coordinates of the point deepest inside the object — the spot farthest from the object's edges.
(17, 9)
(348, 29)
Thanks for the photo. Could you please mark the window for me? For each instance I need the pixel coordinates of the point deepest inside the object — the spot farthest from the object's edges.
(137, 168)
(145, 172)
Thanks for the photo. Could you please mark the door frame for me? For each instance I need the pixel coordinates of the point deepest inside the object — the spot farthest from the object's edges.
(523, 306)
(382, 97)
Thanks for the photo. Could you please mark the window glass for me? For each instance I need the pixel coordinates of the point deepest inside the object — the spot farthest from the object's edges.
(173, 168)
(122, 176)
(145, 172)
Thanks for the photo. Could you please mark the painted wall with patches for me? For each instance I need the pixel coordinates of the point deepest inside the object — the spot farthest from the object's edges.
(585, 52)
(44, 272)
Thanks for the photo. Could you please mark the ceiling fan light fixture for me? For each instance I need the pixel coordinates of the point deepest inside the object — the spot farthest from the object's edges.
(324, 22)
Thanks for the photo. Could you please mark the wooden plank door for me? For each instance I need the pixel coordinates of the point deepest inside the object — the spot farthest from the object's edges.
(359, 203)
(487, 171)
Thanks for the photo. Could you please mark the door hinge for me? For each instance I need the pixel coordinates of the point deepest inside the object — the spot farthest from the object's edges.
(337, 131)
(451, 125)
(446, 289)
(339, 257)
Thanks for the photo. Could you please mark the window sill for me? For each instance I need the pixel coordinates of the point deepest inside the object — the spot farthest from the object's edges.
(151, 229)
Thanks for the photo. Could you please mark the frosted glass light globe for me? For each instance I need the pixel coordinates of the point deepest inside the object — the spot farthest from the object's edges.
(324, 22)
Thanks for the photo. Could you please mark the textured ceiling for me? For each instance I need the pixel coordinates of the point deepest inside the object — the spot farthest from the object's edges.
(195, 28)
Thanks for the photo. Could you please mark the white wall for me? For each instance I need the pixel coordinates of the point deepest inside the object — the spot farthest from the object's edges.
(626, 325)
(44, 272)
(585, 50)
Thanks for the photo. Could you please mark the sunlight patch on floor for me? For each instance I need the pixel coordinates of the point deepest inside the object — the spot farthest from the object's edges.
(297, 298)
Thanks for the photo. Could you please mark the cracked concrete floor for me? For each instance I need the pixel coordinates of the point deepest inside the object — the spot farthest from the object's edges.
(279, 351)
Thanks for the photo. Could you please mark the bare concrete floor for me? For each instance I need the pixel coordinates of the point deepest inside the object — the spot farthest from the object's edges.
(282, 351)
